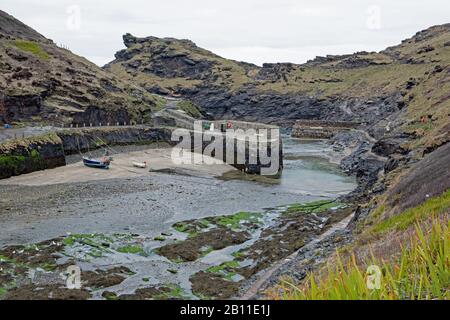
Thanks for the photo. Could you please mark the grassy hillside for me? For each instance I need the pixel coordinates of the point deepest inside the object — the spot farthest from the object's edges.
(416, 71)
(419, 271)
(57, 83)
(363, 74)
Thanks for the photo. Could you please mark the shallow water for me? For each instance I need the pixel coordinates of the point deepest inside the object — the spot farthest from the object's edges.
(147, 206)
(307, 169)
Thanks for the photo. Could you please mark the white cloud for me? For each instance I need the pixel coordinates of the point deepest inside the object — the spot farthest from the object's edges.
(250, 30)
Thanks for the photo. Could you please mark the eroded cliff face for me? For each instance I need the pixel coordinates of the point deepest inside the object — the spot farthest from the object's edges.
(43, 83)
(366, 86)
(399, 95)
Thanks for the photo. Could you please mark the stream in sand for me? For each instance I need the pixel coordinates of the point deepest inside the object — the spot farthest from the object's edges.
(128, 221)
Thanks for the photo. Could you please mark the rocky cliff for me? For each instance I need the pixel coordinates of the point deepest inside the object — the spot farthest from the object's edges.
(366, 86)
(399, 95)
(43, 83)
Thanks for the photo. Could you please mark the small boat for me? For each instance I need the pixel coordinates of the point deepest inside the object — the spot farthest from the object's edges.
(100, 164)
(141, 165)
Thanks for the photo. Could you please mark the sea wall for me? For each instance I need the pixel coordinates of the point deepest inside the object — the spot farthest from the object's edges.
(320, 129)
(251, 151)
(31, 154)
(85, 139)
(49, 150)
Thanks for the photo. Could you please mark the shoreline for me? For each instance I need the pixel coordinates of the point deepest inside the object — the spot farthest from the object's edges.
(154, 201)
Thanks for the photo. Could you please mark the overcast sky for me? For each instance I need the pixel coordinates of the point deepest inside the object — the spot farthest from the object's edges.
(248, 30)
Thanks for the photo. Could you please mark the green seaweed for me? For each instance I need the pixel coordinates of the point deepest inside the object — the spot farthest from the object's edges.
(133, 249)
(3, 292)
(313, 207)
(110, 296)
(175, 292)
(235, 221)
(225, 270)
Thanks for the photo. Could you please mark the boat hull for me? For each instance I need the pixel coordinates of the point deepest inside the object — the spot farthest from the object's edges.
(95, 164)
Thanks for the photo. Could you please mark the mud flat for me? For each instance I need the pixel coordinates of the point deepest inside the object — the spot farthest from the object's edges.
(158, 159)
(171, 233)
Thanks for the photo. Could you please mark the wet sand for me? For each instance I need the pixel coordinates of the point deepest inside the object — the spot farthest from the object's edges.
(77, 199)
(121, 167)
(143, 205)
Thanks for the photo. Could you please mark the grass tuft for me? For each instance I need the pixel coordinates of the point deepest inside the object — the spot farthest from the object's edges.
(434, 206)
(420, 272)
(31, 47)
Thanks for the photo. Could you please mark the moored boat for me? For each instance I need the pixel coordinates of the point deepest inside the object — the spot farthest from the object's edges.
(93, 163)
(141, 165)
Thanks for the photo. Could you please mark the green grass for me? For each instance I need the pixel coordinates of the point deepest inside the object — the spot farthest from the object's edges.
(420, 272)
(31, 47)
(93, 240)
(190, 108)
(434, 206)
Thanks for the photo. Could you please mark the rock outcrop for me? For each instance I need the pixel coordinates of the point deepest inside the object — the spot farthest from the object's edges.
(41, 82)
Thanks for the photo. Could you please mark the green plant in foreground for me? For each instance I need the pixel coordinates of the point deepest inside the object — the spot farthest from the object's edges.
(420, 272)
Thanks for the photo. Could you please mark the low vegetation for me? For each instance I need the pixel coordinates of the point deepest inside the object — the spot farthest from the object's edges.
(31, 47)
(313, 207)
(420, 270)
(190, 108)
(434, 206)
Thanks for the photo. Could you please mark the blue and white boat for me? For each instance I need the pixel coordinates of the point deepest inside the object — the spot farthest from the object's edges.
(100, 164)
